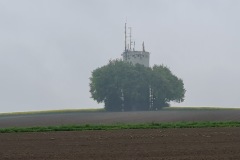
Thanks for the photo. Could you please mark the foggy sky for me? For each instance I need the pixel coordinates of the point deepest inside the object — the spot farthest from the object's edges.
(48, 48)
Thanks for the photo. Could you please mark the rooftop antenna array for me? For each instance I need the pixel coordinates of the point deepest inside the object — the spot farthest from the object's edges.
(130, 54)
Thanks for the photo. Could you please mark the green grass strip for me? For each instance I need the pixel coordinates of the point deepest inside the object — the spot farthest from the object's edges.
(54, 111)
(197, 108)
(152, 125)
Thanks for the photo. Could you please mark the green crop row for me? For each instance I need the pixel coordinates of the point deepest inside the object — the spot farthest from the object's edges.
(152, 125)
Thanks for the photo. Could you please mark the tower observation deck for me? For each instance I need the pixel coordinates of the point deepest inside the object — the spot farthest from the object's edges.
(135, 57)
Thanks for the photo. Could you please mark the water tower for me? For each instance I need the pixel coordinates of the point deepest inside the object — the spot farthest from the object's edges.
(131, 55)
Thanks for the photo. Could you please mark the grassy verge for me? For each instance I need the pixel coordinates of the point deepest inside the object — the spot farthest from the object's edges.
(53, 111)
(198, 108)
(123, 126)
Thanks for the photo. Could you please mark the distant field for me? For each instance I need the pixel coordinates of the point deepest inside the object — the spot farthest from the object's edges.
(103, 110)
(100, 117)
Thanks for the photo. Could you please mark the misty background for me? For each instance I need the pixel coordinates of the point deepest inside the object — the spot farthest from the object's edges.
(48, 48)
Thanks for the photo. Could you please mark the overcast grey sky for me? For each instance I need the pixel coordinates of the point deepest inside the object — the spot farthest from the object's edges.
(48, 48)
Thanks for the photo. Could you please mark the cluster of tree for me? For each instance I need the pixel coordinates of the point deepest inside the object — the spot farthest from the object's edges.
(126, 87)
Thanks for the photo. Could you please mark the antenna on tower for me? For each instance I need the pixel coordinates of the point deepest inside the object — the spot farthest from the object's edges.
(125, 37)
(143, 47)
(130, 36)
(134, 46)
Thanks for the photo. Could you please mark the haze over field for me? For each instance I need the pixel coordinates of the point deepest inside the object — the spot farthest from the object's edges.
(48, 49)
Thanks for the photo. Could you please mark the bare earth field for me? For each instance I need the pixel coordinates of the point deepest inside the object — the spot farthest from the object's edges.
(197, 143)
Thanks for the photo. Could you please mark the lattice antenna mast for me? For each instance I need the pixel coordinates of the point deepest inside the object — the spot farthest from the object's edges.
(130, 38)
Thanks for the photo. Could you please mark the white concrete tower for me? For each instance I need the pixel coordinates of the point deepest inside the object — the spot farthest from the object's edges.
(132, 56)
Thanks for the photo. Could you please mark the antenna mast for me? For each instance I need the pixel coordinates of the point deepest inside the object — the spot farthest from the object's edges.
(130, 36)
(134, 46)
(143, 46)
(125, 37)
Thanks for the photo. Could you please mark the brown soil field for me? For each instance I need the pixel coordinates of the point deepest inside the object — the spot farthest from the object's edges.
(197, 143)
(169, 144)
(117, 117)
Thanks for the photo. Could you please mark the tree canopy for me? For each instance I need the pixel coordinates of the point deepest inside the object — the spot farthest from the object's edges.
(126, 87)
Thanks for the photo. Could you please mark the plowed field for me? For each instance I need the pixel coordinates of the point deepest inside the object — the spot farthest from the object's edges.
(197, 143)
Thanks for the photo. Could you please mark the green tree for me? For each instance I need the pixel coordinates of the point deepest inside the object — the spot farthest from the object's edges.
(165, 87)
(136, 88)
(123, 86)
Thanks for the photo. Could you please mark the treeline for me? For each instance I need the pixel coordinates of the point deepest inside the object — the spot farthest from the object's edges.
(126, 87)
